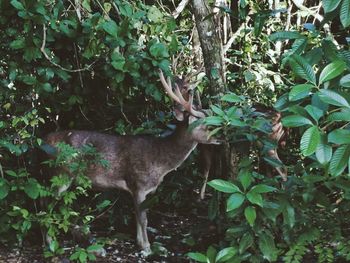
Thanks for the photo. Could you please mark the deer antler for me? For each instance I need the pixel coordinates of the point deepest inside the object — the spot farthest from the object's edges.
(178, 98)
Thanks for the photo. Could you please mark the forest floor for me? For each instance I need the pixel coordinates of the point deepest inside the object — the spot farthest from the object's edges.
(172, 234)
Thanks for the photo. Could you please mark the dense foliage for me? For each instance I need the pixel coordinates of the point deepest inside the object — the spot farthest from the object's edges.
(94, 66)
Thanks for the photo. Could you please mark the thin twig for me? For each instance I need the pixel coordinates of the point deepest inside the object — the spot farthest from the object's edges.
(42, 49)
(82, 113)
(180, 8)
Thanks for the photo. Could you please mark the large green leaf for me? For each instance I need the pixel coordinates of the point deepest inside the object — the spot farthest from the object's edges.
(302, 68)
(339, 136)
(295, 121)
(250, 215)
(300, 91)
(262, 188)
(234, 201)
(285, 35)
(332, 70)
(198, 257)
(310, 140)
(4, 188)
(214, 120)
(231, 97)
(339, 160)
(345, 81)
(255, 198)
(110, 27)
(330, 5)
(314, 112)
(224, 186)
(225, 254)
(32, 188)
(245, 242)
(323, 151)
(333, 98)
(345, 13)
(267, 246)
(17, 4)
(343, 115)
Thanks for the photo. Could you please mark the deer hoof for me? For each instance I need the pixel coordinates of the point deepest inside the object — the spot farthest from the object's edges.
(146, 251)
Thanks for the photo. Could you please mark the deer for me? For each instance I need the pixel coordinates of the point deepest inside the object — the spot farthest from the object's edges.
(206, 152)
(138, 163)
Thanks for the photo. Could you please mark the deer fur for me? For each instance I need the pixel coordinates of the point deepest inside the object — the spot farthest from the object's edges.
(138, 163)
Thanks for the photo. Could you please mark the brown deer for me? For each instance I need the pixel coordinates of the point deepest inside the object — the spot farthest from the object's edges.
(139, 163)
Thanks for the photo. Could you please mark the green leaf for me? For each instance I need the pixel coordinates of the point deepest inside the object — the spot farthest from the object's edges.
(4, 188)
(245, 177)
(339, 136)
(310, 140)
(332, 70)
(246, 242)
(343, 115)
(250, 215)
(82, 256)
(300, 91)
(110, 27)
(295, 121)
(224, 186)
(159, 50)
(234, 201)
(345, 81)
(214, 121)
(231, 97)
(285, 35)
(333, 98)
(255, 198)
(302, 68)
(314, 112)
(211, 254)
(118, 61)
(154, 14)
(330, 5)
(18, 5)
(262, 188)
(32, 188)
(18, 43)
(217, 110)
(95, 247)
(323, 152)
(339, 160)
(225, 254)
(267, 246)
(345, 13)
(197, 256)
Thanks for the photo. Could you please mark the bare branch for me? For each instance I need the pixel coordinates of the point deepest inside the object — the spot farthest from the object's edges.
(180, 8)
(42, 49)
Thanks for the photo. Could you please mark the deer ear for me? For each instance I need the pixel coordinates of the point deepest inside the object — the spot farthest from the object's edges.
(179, 114)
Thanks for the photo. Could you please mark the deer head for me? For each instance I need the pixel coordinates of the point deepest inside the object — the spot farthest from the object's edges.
(184, 109)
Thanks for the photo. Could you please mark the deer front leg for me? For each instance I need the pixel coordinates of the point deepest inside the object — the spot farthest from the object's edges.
(281, 170)
(141, 222)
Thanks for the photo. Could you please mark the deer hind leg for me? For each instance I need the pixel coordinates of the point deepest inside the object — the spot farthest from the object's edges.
(205, 175)
(141, 222)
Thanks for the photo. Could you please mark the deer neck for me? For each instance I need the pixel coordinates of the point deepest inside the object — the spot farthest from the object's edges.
(179, 146)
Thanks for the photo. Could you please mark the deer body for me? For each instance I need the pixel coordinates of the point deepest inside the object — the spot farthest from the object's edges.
(138, 164)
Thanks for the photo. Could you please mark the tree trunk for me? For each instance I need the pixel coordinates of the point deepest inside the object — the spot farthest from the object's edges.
(208, 27)
(209, 35)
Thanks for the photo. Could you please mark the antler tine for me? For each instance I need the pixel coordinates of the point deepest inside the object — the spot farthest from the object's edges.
(188, 105)
(199, 99)
(177, 97)
(168, 88)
